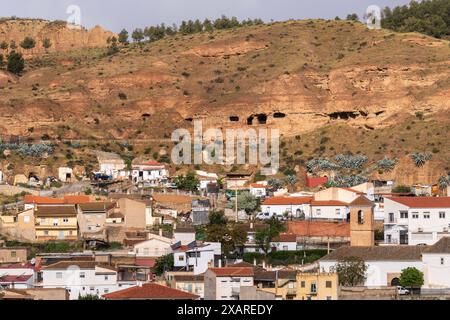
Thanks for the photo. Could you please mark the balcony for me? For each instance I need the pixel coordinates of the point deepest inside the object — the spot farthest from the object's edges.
(391, 221)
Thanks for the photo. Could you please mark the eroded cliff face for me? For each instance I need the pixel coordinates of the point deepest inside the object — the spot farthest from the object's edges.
(61, 36)
(297, 77)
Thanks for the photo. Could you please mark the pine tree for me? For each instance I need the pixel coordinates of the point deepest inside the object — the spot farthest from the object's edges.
(16, 63)
(28, 43)
(123, 37)
(138, 35)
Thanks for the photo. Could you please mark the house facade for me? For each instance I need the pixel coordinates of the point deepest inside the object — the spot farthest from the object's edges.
(197, 257)
(317, 286)
(149, 171)
(416, 220)
(292, 206)
(226, 283)
(58, 222)
(154, 246)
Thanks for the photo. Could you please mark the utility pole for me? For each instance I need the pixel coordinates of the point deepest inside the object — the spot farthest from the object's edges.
(236, 203)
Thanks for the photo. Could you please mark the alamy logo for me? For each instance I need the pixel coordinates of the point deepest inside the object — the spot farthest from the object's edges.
(74, 19)
(227, 148)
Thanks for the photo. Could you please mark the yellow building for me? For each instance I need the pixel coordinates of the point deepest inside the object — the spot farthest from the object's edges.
(317, 286)
(56, 222)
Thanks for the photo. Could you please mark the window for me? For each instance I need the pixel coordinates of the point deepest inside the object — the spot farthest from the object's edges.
(338, 212)
(82, 275)
(415, 215)
(302, 284)
(65, 220)
(106, 278)
(181, 258)
(46, 232)
(318, 212)
(441, 215)
(403, 214)
(55, 222)
(360, 217)
(313, 287)
(328, 284)
(426, 215)
(13, 254)
(442, 261)
(59, 275)
(285, 248)
(106, 290)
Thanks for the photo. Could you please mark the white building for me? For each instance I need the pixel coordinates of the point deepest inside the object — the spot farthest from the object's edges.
(416, 220)
(384, 264)
(183, 235)
(285, 242)
(226, 283)
(1, 176)
(149, 171)
(329, 210)
(206, 178)
(197, 258)
(437, 264)
(65, 174)
(17, 276)
(154, 246)
(110, 163)
(80, 278)
(258, 190)
(293, 206)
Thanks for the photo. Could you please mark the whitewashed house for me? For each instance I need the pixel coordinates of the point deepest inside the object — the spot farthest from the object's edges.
(416, 220)
(197, 257)
(80, 278)
(154, 246)
(437, 265)
(259, 190)
(284, 242)
(292, 206)
(111, 164)
(65, 174)
(226, 283)
(17, 276)
(384, 264)
(149, 171)
(206, 178)
(330, 210)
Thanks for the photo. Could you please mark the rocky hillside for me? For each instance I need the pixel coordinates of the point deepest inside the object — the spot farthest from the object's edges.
(62, 38)
(371, 92)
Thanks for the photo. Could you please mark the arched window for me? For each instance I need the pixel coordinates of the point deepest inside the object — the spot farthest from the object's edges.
(360, 217)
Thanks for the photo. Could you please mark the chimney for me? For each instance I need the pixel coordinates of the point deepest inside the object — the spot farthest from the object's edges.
(174, 226)
(264, 264)
(160, 232)
(254, 262)
(252, 225)
(220, 263)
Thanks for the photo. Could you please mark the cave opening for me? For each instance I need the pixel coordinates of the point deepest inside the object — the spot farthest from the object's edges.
(262, 118)
(145, 116)
(279, 115)
(250, 120)
(234, 119)
(189, 119)
(344, 115)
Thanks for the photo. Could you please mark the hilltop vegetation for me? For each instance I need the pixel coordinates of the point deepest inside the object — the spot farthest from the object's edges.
(431, 17)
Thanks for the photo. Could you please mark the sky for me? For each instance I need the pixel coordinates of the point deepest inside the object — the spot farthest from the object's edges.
(117, 14)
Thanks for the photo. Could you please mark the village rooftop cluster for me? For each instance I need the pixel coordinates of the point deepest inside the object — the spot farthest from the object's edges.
(131, 232)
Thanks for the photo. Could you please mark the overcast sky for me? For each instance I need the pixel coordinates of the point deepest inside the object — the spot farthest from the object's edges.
(117, 14)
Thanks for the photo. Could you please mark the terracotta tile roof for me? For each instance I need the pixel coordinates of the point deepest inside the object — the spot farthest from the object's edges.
(169, 198)
(30, 199)
(257, 185)
(318, 229)
(233, 272)
(423, 202)
(150, 291)
(97, 206)
(55, 211)
(146, 262)
(15, 278)
(442, 246)
(328, 203)
(387, 253)
(287, 201)
(286, 237)
(63, 265)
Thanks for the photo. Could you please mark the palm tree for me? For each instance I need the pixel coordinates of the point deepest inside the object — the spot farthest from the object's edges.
(444, 182)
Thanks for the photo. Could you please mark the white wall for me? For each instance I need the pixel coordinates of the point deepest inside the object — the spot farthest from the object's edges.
(437, 275)
(279, 210)
(284, 246)
(225, 286)
(329, 212)
(152, 248)
(72, 280)
(377, 271)
(432, 228)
